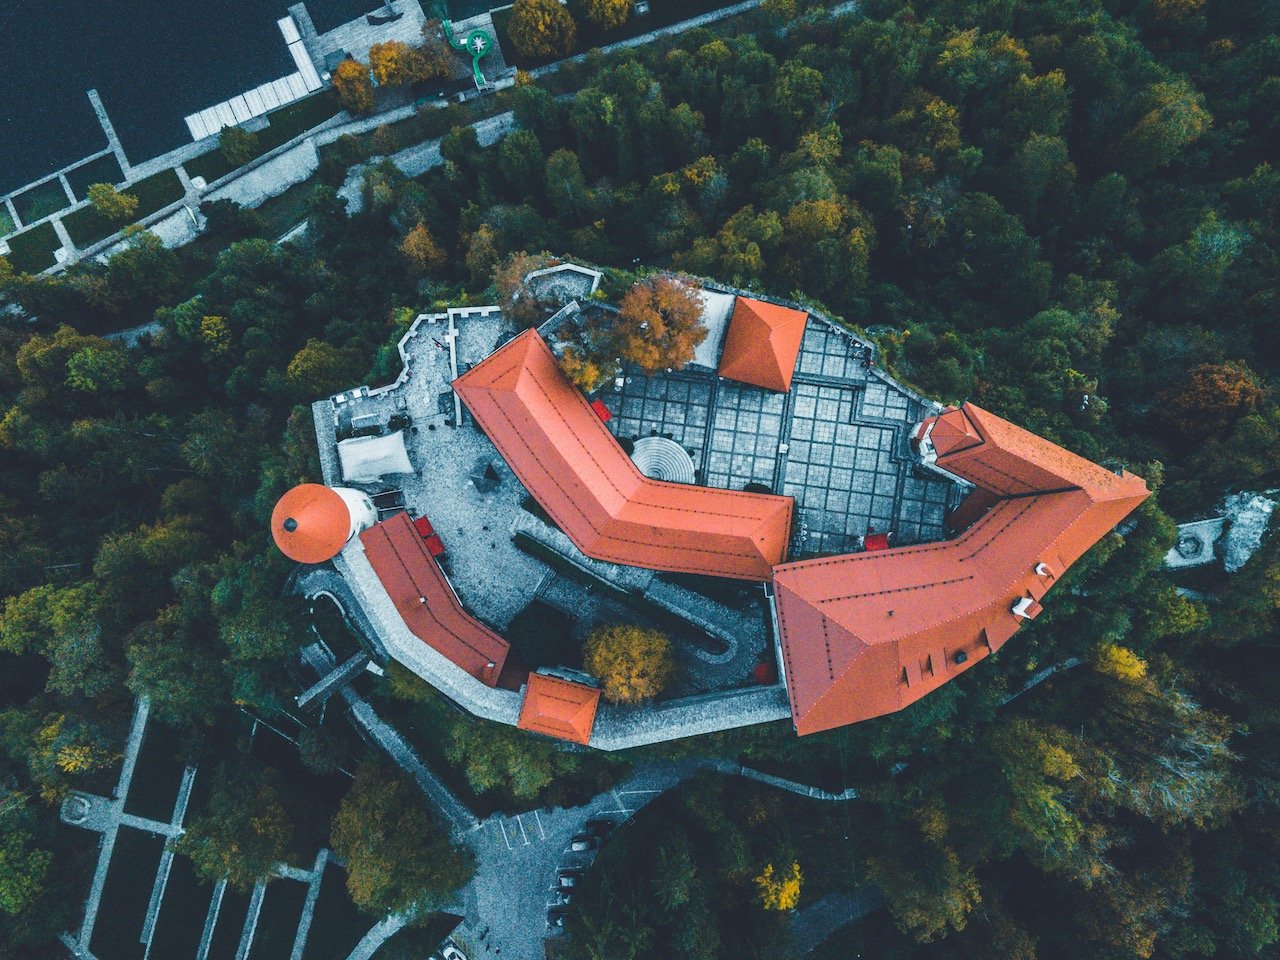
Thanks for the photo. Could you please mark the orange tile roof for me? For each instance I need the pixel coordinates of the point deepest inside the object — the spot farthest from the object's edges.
(426, 601)
(867, 634)
(569, 461)
(762, 344)
(559, 708)
(310, 523)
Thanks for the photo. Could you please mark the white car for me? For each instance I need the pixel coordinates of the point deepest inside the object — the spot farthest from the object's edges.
(450, 951)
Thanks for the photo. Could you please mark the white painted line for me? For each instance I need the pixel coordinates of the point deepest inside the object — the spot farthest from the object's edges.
(539, 820)
(522, 831)
(504, 836)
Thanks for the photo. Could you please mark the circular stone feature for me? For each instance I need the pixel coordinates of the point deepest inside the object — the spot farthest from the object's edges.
(662, 459)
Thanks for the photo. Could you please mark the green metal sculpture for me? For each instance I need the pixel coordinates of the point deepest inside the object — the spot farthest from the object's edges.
(477, 43)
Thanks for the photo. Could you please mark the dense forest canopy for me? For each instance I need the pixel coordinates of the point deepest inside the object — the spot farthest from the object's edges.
(1064, 210)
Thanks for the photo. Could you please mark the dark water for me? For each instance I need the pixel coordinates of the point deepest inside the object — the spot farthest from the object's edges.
(152, 62)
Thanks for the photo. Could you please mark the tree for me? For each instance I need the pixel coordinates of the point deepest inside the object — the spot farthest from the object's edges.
(1175, 118)
(399, 856)
(238, 145)
(659, 324)
(608, 14)
(501, 759)
(781, 891)
(23, 865)
(111, 203)
(319, 368)
(422, 251)
(1213, 398)
(355, 89)
(394, 63)
(542, 28)
(634, 664)
(587, 372)
(244, 832)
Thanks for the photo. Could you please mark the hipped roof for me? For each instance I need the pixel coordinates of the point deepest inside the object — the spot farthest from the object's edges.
(762, 344)
(559, 708)
(866, 634)
(569, 461)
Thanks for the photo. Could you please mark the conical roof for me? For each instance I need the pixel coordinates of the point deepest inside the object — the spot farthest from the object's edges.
(762, 344)
(311, 523)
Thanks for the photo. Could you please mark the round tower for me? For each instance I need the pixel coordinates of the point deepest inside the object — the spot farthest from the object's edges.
(312, 523)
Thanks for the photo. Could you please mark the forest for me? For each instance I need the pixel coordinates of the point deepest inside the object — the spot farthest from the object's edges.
(1064, 210)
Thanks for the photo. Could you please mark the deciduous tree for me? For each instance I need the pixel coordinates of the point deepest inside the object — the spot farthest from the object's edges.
(634, 664)
(608, 14)
(659, 323)
(111, 203)
(355, 89)
(542, 28)
(237, 145)
(421, 250)
(244, 832)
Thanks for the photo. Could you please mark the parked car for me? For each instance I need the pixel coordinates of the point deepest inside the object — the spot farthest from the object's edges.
(555, 919)
(567, 879)
(600, 827)
(584, 842)
(563, 898)
(450, 951)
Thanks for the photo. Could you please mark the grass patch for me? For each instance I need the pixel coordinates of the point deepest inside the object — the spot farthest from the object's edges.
(182, 912)
(278, 920)
(106, 169)
(337, 924)
(32, 250)
(157, 775)
(662, 13)
(285, 124)
(39, 202)
(6, 221)
(157, 191)
(229, 926)
(130, 877)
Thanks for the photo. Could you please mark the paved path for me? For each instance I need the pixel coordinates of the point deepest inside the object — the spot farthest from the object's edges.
(113, 141)
(811, 925)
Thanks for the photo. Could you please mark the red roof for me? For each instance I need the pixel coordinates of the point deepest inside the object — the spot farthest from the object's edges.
(426, 601)
(310, 523)
(762, 344)
(559, 708)
(572, 465)
(875, 541)
(870, 633)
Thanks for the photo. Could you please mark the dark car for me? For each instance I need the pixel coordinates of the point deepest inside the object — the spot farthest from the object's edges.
(601, 827)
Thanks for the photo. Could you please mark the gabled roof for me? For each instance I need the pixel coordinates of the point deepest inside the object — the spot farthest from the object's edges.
(762, 344)
(559, 708)
(310, 523)
(866, 634)
(569, 461)
(425, 600)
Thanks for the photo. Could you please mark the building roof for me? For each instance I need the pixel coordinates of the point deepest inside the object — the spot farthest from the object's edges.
(762, 344)
(569, 461)
(371, 458)
(426, 601)
(310, 523)
(559, 708)
(870, 633)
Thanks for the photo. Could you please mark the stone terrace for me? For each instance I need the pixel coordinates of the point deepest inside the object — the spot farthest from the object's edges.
(838, 442)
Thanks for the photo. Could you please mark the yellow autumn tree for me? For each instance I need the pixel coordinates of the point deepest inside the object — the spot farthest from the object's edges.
(1119, 662)
(542, 28)
(394, 63)
(421, 250)
(779, 891)
(633, 664)
(355, 89)
(585, 371)
(659, 324)
(607, 14)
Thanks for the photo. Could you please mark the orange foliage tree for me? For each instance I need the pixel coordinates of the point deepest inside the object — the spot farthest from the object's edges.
(421, 250)
(607, 14)
(355, 89)
(659, 324)
(1214, 397)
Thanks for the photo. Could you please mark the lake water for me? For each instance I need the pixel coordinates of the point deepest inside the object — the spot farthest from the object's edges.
(153, 62)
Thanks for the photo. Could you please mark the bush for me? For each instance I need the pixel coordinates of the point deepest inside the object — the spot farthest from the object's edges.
(542, 28)
(238, 145)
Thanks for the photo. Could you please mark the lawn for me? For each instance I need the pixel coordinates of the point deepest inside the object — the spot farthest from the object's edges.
(6, 221)
(182, 912)
(662, 13)
(106, 169)
(337, 924)
(157, 191)
(157, 774)
(285, 124)
(130, 877)
(39, 202)
(32, 251)
(229, 926)
(278, 920)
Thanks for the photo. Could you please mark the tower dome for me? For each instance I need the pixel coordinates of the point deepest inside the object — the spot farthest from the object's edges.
(311, 523)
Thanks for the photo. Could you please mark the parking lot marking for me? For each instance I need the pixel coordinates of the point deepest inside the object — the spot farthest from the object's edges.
(522, 831)
(539, 821)
(621, 806)
(504, 836)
